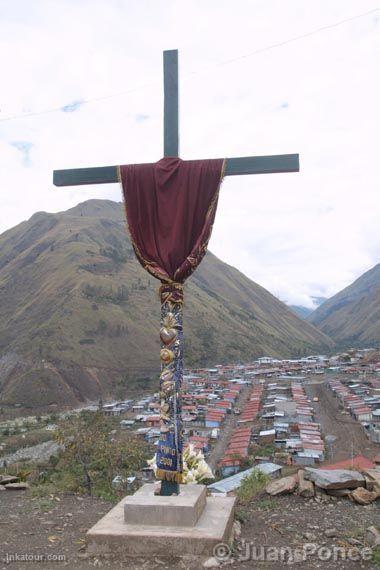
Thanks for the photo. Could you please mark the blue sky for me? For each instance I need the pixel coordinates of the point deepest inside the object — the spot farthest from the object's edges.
(97, 68)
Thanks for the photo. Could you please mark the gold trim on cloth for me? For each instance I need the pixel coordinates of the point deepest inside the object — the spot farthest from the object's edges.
(169, 475)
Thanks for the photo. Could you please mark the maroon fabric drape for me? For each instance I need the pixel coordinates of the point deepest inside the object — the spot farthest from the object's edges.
(170, 208)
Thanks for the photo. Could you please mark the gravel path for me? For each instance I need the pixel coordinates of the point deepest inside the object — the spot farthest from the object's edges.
(350, 437)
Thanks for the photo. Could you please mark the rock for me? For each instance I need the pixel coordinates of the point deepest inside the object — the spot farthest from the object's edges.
(338, 492)
(373, 536)
(20, 486)
(311, 537)
(335, 478)
(5, 479)
(331, 532)
(282, 486)
(323, 497)
(236, 529)
(211, 563)
(372, 479)
(363, 496)
(354, 541)
(305, 488)
(2, 488)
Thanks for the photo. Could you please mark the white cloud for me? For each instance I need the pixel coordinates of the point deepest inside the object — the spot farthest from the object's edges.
(299, 235)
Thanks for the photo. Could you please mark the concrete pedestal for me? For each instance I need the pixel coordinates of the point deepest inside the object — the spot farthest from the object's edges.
(144, 524)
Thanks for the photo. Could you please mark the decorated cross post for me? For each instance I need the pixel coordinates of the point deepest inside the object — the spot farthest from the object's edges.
(170, 209)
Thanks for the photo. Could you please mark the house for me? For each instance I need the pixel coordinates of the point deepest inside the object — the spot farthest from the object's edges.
(267, 436)
(229, 467)
(153, 421)
(265, 360)
(127, 423)
(362, 413)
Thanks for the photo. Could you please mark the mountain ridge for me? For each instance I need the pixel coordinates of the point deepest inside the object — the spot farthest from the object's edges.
(352, 316)
(79, 317)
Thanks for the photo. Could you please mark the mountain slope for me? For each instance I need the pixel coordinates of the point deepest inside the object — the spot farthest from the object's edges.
(304, 312)
(352, 316)
(301, 311)
(79, 316)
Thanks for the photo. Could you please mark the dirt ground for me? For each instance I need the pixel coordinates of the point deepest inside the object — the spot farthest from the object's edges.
(291, 521)
(25, 528)
(350, 437)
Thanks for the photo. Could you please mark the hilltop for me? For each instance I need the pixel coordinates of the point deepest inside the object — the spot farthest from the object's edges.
(79, 317)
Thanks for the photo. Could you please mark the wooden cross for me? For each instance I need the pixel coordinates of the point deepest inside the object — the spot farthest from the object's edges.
(234, 166)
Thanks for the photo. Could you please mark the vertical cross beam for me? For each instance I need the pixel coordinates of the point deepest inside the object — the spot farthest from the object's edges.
(171, 137)
(171, 148)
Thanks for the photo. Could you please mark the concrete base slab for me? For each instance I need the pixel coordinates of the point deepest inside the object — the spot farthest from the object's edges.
(112, 535)
(146, 508)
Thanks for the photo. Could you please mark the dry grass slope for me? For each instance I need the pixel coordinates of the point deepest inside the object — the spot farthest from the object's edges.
(352, 316)
(79, 316)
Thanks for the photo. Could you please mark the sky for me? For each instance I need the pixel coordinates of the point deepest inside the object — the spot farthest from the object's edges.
(81, 85)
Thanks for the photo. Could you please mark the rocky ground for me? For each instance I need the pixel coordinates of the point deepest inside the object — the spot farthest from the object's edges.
(57, 525)
(291, 521)
(41, 452)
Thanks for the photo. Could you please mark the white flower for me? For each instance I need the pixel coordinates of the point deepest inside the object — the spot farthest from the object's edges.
(189, 477)
(153, 463)
(195, 468)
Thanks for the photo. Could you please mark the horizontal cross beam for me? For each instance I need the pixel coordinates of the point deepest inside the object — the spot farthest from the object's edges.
(234, 166)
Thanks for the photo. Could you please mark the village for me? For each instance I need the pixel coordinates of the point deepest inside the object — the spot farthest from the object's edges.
(261, 413)
(286, 419)
(304, 424)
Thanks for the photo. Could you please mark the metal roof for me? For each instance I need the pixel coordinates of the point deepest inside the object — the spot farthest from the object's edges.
(231, 483)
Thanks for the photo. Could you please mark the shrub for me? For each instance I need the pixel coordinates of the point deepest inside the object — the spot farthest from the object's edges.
(91, 458)
(252, 485)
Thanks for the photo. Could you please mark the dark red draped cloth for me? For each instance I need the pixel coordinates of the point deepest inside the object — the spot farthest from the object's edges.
(170, 208)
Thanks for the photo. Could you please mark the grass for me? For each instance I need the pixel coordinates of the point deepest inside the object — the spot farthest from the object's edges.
(242, 515)
(16, 441)
(252, 485)
(45, 504)
(376, 557)
(265, 451)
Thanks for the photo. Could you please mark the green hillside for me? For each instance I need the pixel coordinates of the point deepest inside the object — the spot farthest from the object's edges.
(79, 317)
(352, 316)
